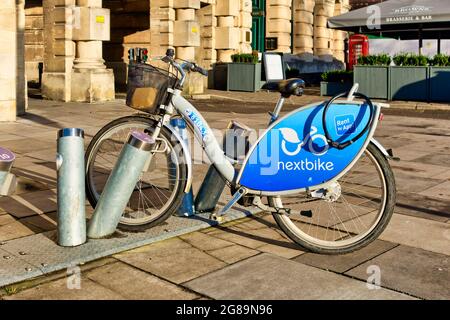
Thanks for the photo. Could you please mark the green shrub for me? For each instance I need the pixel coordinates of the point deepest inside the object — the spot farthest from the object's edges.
(410, 59)
(381, 59)
(245, 58)
(440, 60)
(338, 76)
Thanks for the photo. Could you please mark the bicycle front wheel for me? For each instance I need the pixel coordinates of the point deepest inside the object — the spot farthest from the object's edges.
(160, 188)
(351, 214)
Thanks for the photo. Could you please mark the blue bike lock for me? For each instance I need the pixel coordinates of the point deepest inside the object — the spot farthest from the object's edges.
(120, 185)
(70, 187)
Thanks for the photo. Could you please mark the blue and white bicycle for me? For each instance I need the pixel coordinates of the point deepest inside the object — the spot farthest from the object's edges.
(318, 169)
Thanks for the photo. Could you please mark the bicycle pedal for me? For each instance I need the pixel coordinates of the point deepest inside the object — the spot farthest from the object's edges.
(306, 213)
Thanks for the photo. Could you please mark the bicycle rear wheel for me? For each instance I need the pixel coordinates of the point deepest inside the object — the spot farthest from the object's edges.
(355, 213)
(160, 188)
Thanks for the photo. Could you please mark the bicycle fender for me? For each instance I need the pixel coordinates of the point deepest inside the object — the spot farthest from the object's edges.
(186, 153)
(381, 148)
(293, 154)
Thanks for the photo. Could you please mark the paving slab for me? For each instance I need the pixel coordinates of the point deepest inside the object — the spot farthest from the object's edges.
(407, 183)
(289, 250)
(344, 262)
(415, 271)
(58, 290)
(423, 207)
(205, 242)
(417, 232)
(418, 169)
(439, 159)
(233, 254)
(174, 260)
(134, 284)
(441, 191)
(29, 204)
(270, 277)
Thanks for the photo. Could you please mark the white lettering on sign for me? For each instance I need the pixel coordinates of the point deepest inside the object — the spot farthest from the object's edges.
(306, 165)
(5, 156)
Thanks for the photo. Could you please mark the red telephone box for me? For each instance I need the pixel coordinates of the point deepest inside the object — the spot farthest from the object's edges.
(358, 45)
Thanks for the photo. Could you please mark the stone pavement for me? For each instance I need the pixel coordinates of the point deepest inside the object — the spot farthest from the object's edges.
(250, 258)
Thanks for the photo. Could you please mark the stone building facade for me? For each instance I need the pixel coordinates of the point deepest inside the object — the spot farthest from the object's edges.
(78, 48)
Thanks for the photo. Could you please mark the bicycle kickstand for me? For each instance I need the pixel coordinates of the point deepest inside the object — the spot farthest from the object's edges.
(238, 195)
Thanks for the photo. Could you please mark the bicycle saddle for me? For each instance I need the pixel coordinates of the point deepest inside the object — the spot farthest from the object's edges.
(286, 87)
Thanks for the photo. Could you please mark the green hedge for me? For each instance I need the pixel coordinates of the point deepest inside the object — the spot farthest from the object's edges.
(411, 60)
(338, 76)
(245, 57)
(440, 60)
(381, 59)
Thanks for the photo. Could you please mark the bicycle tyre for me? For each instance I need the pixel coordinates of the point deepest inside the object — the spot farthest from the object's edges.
(147, 122)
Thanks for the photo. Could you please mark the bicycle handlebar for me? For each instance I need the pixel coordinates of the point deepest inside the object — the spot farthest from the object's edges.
(185, 66)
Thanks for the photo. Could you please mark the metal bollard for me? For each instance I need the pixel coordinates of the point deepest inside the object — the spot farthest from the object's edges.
(213, 185)
(187, 208)
(7, 179)
(71, 191)
(120, 185)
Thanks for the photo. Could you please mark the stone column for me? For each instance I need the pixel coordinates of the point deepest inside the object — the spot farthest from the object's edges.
(322, 38)
(245, 23)
(207, 54)
(21, 85)
(303, 26)
(59, 49)
(91, 81)
(278, 23)
(187, 40)
(186, 29)
(8, 60)
(338, 45)
(227, 34)
(162, 17)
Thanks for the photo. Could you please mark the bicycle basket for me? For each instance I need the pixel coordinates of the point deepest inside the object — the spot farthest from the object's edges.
(147, 87)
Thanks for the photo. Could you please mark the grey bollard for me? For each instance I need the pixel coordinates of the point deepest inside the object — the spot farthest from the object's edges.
(120, 185)
(7, 180)
(70, 187)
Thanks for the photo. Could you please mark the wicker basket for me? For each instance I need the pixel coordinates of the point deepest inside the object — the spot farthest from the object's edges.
(147, 87)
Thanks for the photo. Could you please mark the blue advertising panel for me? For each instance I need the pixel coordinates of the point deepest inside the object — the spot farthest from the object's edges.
(294, 154)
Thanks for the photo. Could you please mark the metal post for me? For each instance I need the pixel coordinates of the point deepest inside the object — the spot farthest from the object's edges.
(7, 180)
(120, 185)
(70, 187)
(186, 208)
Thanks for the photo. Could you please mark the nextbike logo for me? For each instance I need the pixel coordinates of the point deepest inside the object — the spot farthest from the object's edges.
(291, 145)
(197, 122)
(312, 141)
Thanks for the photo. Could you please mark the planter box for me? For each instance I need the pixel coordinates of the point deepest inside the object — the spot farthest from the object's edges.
(219, 78)
(409, 83)
(244, 77)
(439, 79)
(373, 81)
(334, 88)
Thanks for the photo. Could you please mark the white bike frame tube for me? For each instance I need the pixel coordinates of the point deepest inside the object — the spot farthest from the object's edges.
(204, 135)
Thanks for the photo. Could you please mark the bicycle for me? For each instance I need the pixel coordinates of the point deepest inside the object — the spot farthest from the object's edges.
(331, 192)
